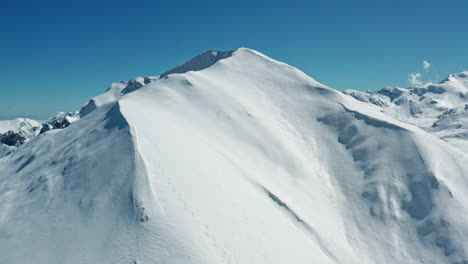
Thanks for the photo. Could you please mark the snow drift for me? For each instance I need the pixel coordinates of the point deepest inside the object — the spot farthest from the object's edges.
(238, 159)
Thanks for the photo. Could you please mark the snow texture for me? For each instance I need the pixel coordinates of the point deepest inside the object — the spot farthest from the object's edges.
(242, 159)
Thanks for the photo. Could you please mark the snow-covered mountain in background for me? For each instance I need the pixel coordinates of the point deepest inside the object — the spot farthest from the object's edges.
(59, 121)
(23, 126)
(16, 132)
(236, 158)
(441, 109)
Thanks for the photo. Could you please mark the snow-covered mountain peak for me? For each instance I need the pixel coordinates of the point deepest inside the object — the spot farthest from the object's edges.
(118, 89)
(461, 76)
(200, 62)
(458, 80)
(18, 125)
(18, 131)
(243, 160)
(238, 60)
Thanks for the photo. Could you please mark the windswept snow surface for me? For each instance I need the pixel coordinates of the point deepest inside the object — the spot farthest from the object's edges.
(115, 92)
(6, 150)
(246, 161)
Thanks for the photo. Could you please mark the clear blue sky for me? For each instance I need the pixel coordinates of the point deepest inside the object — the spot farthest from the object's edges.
(55, 55)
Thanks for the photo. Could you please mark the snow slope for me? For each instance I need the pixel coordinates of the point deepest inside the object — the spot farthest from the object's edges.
(115, 92)
(5, 150)
(248, 160)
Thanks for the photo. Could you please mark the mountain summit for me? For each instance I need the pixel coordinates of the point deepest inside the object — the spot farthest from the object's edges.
(233, 157)
(200, 62)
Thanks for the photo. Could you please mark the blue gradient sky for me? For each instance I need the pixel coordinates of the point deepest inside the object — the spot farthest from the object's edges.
(55, 55)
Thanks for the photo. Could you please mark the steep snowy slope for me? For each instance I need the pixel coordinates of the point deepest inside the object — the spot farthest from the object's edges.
(67, 196)
(452, 126)
(5, 150)
(247, 160)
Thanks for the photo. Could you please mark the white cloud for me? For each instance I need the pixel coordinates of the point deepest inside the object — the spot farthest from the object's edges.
(426, 65)
(414, 79)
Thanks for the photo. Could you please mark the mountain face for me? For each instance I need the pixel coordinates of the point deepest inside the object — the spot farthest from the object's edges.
(441, 109)
(238, 158)
(16, 132)
(23, 126)
(60, 121)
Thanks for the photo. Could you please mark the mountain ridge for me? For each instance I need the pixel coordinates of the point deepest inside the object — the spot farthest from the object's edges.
(437, 108)
(247, 161)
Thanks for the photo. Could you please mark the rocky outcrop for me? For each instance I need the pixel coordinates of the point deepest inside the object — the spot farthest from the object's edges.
(11, 138)
(60, 121)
